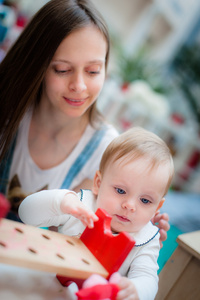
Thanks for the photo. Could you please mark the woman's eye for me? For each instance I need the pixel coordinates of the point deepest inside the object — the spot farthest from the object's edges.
(61, 71)
(120, 191)
(145, 201)
(93, 72)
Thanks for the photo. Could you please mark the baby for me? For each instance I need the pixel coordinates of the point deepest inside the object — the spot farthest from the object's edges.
(135, 174)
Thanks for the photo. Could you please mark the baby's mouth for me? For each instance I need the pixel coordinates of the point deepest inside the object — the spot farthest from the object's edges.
(122, 218)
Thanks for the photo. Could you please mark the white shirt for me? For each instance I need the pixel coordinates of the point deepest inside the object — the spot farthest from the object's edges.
(43, 209)
(33, 179)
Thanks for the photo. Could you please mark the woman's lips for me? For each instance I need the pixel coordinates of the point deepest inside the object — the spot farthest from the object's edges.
(122, 218)
(75, 102)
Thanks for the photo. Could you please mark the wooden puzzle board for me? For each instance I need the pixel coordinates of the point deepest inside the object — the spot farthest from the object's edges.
(26, 246)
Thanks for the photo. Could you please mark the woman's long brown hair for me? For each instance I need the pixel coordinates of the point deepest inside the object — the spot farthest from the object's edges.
(23, 69)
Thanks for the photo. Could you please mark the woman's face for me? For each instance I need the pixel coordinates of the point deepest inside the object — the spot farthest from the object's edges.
(76, 73)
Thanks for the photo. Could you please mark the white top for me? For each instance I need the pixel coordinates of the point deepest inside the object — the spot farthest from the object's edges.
(43, 209)
(33, 179)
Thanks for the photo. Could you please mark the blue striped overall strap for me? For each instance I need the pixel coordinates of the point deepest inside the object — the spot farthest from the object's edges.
(83, 158)
(5, 166)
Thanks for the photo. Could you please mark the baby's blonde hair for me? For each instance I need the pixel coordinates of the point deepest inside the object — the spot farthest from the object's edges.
(138, 143)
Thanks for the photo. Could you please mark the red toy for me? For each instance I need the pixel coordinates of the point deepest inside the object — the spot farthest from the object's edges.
(98, 292)
(4, 206)
(110, 250)
(96, 287)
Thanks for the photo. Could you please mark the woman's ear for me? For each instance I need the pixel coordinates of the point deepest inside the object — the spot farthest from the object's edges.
(96, 183)
(160, 204)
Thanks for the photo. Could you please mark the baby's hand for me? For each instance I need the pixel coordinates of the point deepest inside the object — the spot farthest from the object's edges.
(72, 205)
(127, 290)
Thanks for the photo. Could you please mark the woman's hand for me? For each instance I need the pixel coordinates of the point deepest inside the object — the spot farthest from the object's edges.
(162, 222)
(72, 205)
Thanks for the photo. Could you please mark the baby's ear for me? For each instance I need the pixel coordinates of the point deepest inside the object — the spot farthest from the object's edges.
(160, 204)
(96, 183)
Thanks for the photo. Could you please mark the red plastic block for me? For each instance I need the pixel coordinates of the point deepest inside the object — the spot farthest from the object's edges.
(110, 250)
(4, 206)
(98, 292)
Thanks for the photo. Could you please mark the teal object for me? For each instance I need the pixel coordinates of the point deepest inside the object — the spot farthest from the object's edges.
(169, 246)
(3, 28)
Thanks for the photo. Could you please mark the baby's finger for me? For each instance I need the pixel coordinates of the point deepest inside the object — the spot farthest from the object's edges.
(90, 223)
(87, 222)
(84, 221)
(89, 214)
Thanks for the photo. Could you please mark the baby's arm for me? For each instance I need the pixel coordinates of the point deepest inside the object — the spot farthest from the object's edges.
(140, 271)
(43, 209)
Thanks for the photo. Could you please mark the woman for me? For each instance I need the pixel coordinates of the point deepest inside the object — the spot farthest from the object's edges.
(52, 135)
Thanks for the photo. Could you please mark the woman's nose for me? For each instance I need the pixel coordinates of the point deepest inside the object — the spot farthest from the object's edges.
(130, 205)
(77, 83)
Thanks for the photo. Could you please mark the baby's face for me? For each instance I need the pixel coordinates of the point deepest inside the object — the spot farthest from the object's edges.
(131, 193)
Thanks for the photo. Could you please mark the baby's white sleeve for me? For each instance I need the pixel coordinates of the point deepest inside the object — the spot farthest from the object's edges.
(42, 209)
(143, 270)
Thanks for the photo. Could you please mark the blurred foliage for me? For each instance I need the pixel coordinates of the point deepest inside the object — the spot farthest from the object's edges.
(186, 66)
(183, 73)
(138, 66)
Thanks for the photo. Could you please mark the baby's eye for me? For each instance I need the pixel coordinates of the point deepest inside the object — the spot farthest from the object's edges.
(145, 201)
(120, 191)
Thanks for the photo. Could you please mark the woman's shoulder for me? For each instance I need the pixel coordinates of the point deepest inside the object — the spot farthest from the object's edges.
(108, 131)
(100, 137)
(111, 130)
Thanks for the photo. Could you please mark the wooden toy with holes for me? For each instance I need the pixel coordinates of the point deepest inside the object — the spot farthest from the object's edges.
(72, 259)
